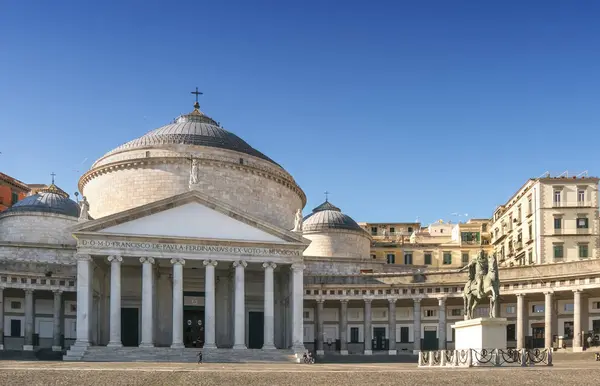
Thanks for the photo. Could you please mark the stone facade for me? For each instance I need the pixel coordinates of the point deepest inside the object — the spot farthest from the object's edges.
(37, 228)
(338, 242)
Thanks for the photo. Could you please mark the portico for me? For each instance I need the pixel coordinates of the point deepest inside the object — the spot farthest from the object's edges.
(189, 272)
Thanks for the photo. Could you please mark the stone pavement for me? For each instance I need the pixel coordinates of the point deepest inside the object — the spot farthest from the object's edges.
(69, 373)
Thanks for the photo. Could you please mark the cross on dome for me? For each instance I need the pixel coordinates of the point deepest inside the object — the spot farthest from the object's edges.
(197, 93)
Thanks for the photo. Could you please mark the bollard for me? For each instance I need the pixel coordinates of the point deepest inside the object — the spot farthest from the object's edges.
(469, 358)
(420, 358)
(550, 357)
(442, 358)
(455, 359)
(497, 357)
(430, 355)
(523, 357)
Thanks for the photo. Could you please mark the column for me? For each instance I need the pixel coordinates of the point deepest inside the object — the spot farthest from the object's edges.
(57, 316)
(177, 341)
(320, 327)
(115, 301)
(269, 307)
(417, 326)
(548, 320)
(367, 327)
(147, 302)
(1, 318)
(297, 307)
(239, 332)
(209, 304)
(344, 326)
(442, 323)
(577, 336)
(392, 326)
(84, 299)
(29, 320)
(520, 321)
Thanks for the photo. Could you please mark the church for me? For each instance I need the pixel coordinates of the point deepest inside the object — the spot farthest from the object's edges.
(188, 238)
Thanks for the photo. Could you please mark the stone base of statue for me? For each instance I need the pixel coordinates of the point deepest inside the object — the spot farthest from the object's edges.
(480, 333)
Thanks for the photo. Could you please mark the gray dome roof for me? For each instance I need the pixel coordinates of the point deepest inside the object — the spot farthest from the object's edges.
(328, 216)
(49, 200)
(194, 128)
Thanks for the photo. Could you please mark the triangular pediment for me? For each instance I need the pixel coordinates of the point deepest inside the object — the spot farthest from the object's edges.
(190, 215)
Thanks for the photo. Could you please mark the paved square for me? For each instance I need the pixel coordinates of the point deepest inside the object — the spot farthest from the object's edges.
(63, 373)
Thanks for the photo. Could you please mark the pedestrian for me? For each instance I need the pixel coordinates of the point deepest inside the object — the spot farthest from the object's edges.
(199, 357)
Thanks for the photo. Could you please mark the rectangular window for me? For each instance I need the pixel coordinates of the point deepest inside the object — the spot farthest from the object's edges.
(530, 258)
(537, 309)
(569, 307)
(511, 332)
(374, 256)
(482, 311)
(558, 251)
(582, 223)
(15, 328)
(15, 198)
(353, 334)
(447, 258)
(15, 305)
(374, 231)
(428, 258)
(403, 334)
(408, 259)
(456, 312)
(392, 230)
(465, 258)
(484, 227)
(391, 258)
(410, 229)
(306, 315)
(557, 223)
(557, 197)
(510, 309)
(580, 196)
(530, 233)
(430, 313)
(596, 305)
(529, 206)
(568, 327)
(583, 251)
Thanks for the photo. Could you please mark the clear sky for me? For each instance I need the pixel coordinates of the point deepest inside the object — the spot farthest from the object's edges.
(401, 109)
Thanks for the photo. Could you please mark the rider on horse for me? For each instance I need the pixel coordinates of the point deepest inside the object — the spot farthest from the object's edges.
(477, 270)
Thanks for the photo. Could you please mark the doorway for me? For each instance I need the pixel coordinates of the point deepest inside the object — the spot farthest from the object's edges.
(255, 329)
(430, 340)
(379, 338)
(193, 327)
(538, 333)
(130, 327)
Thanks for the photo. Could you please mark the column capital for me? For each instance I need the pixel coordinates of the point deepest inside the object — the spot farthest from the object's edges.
(115, 259)
(213, 263)
(520, 295)
(83, 257)
(149, 260)
(320, 300)
(57, 292)
(269, 264)
(368, 299)
(577, 291)
(28, 291)
(548, 293)
(344, 301)
(240, 263)
(392, 300)
(417, 300)
(178, 260)
(297, 267)
(441, 301)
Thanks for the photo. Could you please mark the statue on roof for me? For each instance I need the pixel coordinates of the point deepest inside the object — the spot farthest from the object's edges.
(84, 207)
(195, 173)
(298, 221)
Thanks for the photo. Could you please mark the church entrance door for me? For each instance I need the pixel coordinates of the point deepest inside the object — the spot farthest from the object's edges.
(430, 341)
(130, 327)
(379, 338)
(255, 329)
(193, 327)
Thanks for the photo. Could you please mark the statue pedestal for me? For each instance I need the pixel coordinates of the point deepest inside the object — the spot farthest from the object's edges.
(480, 333)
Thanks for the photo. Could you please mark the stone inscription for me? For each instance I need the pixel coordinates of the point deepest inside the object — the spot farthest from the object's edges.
(190, 248)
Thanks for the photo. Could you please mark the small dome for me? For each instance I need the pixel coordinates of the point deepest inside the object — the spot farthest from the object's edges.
(49, 200)
(328, 216)
(194, 128)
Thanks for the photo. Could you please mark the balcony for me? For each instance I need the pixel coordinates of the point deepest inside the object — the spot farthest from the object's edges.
(572, 204)
(518, 245)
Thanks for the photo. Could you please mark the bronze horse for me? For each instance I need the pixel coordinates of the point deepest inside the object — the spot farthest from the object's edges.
(472, 296)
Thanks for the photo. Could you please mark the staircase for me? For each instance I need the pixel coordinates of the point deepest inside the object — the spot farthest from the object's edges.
(182, 355)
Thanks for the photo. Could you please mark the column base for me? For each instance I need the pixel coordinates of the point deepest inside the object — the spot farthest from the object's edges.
(392, 352)
(320, 352)
(269, 347)
(146, 345)
(368, 352)
(209, 346)
(1, 347)
(177, 345)
(82, 344)
(416, 352)
(239, 347)
(114, 344)
(27, 347)
(343, 352)
(575, 349)
(57, 348)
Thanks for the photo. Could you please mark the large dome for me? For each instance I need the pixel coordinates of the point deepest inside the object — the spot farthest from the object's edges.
(158, 165)
(193, 129)
(328, 216)
(48, 200)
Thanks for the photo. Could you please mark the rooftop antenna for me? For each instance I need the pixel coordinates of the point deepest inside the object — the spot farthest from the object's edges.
(545, 175)
(564, 174)
(583, 173)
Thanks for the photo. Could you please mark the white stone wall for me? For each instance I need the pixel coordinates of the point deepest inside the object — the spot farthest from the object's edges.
(338, 243)
(126, 188)
(40, 228)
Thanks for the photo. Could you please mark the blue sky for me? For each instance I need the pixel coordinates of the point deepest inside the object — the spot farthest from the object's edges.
(401, 109)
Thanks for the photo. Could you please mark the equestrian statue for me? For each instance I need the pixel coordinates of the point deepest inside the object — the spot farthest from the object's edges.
(483, 283)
